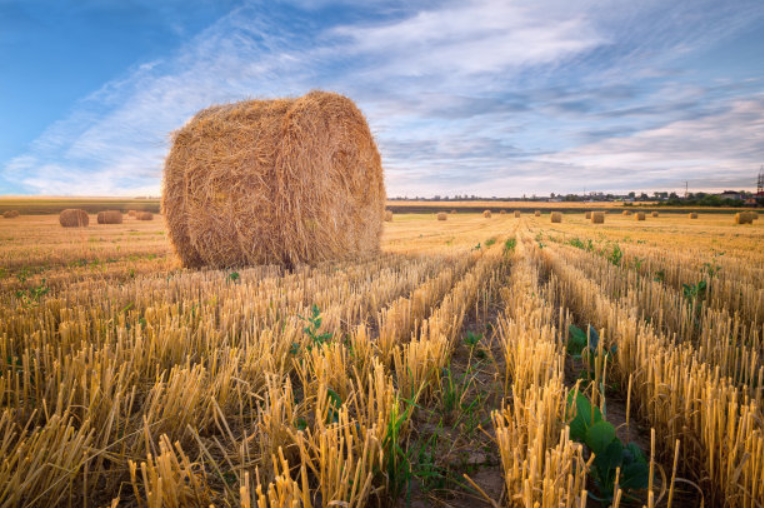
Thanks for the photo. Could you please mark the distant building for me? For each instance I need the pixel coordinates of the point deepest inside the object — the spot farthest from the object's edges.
(730, 195)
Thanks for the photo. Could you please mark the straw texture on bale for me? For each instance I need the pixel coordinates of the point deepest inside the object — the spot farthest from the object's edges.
(388, 216)
(654, 214)
(74, 218)
(442, 216)
(598, 218)
(281, 181)
(144, 216)
(693, 215)
(517, 214)
(502, 212)
(639, 216)
(131, 213)
(110, 217)
(453, 211)
(743, 218)
(588, 215)
(556, 217)
(11, 214)
(537, 213)
(627, 212)
(487, 214)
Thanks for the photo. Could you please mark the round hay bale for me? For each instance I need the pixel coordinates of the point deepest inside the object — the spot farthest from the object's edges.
(74, 218)
(110, 217)
(598, 218)
(743, 218)
(627, 212)
(517, 214)
(639, 216)
(537, 213)
(281, 181)
(452, 211)
(556, 217)
(693, 215)
(588, 215)
(654, 214)
(388, 216)
(11, 214)
(487, 214)
(442, 216)
(144, 216)
(131, 213)
(502, 212)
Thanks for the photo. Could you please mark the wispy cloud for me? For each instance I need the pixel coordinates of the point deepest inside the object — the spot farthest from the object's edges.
(482, 96)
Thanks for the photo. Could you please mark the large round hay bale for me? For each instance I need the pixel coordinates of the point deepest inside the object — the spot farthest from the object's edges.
(282, 181)
(74, 218)
(556, 217)
(537, 213)
(743, 218)
(693, 215)
(487, 214)
(598, 218)
(110, 217)
(144, 216)
(442, 216)
(518, 214)
(11, 214)
(388, 216)
(639, 216)
(654, 214)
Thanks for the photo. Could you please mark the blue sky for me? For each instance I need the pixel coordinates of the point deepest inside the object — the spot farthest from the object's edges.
(486, 97)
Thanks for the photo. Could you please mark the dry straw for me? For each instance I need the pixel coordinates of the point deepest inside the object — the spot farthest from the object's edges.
(639, 216)
(442, 216)
(502, 212)
(627, 212)
(11, 214)
(537, 213)
(743, 218)
(518, 213)
(388, 216)
(693, 215)
(144, 216)
(487, 214)
(588, 215)
(110, 217)
(654, 214)
(556, 217)
(281, 181)
(74, 218)
(598, 218)
(131, 213)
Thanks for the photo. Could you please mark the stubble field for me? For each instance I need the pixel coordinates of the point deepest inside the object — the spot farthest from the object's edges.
(503, 361)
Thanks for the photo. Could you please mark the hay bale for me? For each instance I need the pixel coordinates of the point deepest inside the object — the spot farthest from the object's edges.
(487, 214)
(588, 215)
(598, 218)
(281, 181)
(639, 216)
(693, 215)
(388, 216)
(442, 216)
(556, 217)
(131, 213)
(74, 218)
(743, 218)
(518, 214)
(452, 211)
(11, 214)
(627, 212)
(110, 217)
(144, 216)
(654, 214)
(537, 213)
(502, 212)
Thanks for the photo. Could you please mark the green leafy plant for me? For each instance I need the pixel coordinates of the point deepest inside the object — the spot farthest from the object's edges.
(472, 339)
(312, 330)
(233, 277)
(615, 255)
(509, 245)
(490, 241)
(660, 276)
(588, 426)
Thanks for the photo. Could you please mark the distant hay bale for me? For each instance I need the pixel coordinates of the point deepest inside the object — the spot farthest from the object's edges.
(442, 216)
(556, 217)
(627, 212)
(743, 218)
(388, 216)
(598, 218)
(452, 211)
(537, 213)
(74, 218)
(110, 217)
(11, 214)
(693, 215)
(654, 214)
(281, 181)
(131, 213)
(639, 216)
(518, 214)
(487, 214)
(144, 216)
(588, 215)
(502, 212)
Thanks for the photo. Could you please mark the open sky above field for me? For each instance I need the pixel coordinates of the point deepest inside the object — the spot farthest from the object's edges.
(487, 97)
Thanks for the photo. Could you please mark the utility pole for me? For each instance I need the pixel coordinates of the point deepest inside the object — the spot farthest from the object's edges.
(686, 190)
(760, 183)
